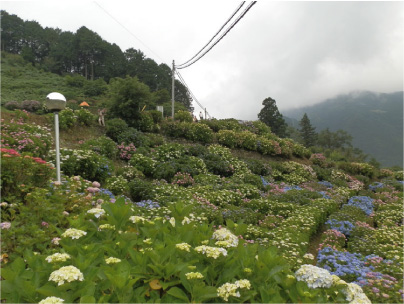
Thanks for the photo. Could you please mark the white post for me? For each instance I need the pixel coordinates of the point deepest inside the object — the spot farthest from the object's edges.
(57, 146)
(172, 91)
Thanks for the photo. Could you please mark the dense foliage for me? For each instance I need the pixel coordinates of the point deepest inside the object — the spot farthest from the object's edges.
(195, 221)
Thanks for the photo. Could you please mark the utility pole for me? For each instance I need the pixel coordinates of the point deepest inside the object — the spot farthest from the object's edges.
(206, 117)
(172, 91)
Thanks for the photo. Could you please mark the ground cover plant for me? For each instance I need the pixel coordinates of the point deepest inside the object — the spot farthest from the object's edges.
(184, 219)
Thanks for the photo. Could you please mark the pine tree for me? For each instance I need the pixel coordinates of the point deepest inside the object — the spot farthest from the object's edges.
(271, 116)
(307, 132)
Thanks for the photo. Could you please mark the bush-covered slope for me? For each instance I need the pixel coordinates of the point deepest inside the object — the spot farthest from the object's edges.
(177, 216)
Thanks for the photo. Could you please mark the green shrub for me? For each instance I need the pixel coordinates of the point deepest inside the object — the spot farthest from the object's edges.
(102, 145)
(183, 116)
(247, 140)
(143, 163)
(258, 167)
(227, 138)
(169, 151)
(84, 117)
(358, 168)
(21, 171)
(156, 115)
(67, 119)
(86, 163)
(140, 189)
(198, 133)
(145, 122)
(114, 127)
(173, 129)
(217, 165)
(268, 146)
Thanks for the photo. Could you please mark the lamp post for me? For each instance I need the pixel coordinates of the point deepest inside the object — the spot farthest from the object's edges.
(56, 102)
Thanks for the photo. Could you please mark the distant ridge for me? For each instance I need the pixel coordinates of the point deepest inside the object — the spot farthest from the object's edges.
(375, 120)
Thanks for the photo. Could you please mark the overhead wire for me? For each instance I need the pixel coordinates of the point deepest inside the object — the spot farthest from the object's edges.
(182, 66)
(124, 27)
(192, 94)
(228, 20)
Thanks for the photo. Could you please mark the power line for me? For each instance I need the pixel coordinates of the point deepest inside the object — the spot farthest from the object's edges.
(228, 20)
(192, 94)
(133, 35)
(182, 66)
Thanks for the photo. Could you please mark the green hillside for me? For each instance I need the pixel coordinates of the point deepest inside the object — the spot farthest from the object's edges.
(375, 121)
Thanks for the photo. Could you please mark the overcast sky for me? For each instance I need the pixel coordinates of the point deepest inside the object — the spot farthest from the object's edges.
(298, 53)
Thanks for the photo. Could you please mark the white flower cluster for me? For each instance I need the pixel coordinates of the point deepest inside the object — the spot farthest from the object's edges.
(98, 212)
(193, 218)
(194, 275)
(74, 233)
(211, 252)
(137, 219)
(106, 226)
(314, 276)
(66, 273)
(230, 289)
(353, 292)
(225, 238)
(58, 257)
(183, 246)
(52, 300)
(112, 260)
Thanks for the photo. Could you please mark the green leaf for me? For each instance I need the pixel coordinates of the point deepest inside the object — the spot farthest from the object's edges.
(87, 299)
(48, 290)
(165, 285)
(178, 293)
(18, 265)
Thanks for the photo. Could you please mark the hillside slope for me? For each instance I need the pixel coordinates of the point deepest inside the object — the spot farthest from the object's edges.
(375, 120)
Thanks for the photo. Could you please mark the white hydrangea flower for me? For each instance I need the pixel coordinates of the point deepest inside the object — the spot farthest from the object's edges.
(106, 226)
(74, 233)
(211, 252)
(58, 257)
(172, 221)
(354, 294)
(183, 246)
(243, 284)
(112, 260)
(66, 273)
(186, 220)
(227, 290)
(52, 300)
(225, 238)
(314, 276)
(98, 212)
(136, 219)
(194, 275)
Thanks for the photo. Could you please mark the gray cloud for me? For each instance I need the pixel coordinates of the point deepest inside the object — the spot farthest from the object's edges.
(298, 53)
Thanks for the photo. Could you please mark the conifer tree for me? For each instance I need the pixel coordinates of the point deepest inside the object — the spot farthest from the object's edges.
(271, 116)
(307, 132)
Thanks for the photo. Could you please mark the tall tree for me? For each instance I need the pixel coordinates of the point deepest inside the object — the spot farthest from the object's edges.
(271, 116)
(307, 132)
(128, 96)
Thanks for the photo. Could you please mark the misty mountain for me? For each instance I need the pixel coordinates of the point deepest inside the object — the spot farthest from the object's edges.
(375, 121)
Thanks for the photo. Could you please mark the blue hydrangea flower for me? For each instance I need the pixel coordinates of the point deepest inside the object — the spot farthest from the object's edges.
(325, 183)
(106, 191)
(344, 227)
(264, 182)
(287, 188)
(364, 203)
(375, 185)
(148, 204)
